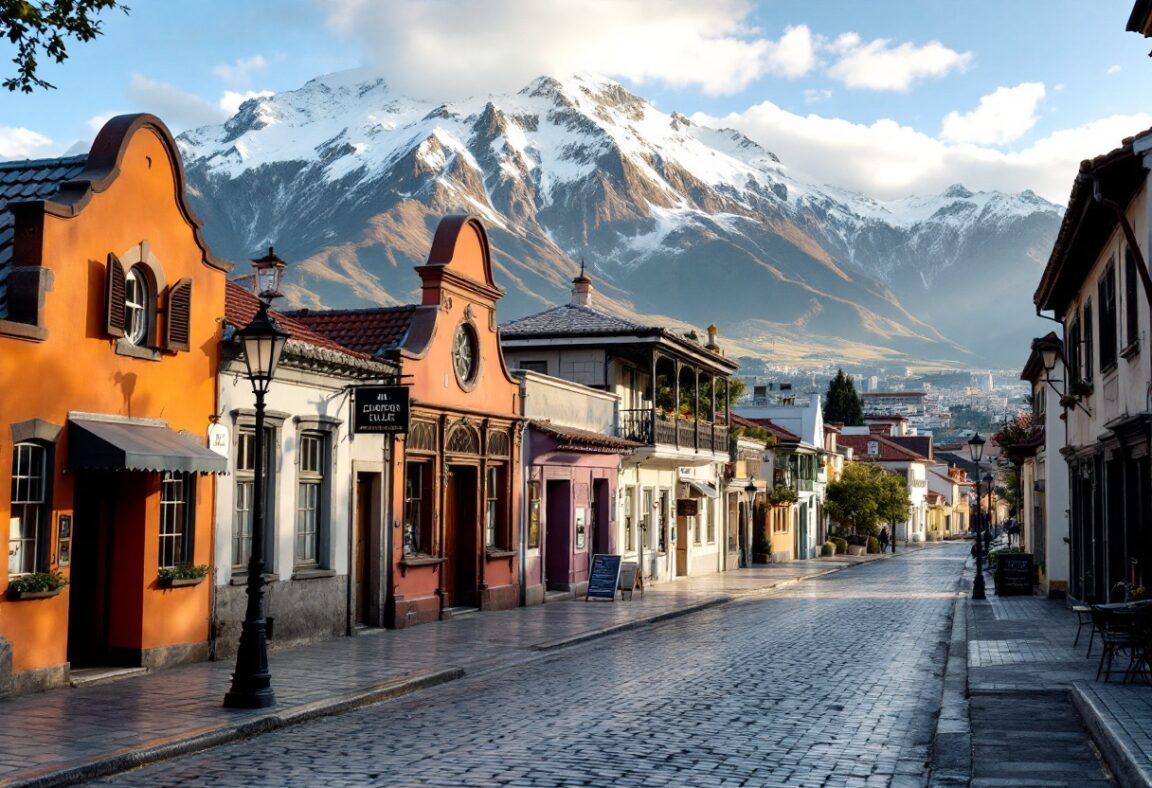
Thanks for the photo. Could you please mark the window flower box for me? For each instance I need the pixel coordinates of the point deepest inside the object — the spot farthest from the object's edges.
(37, 585)
(183, 574)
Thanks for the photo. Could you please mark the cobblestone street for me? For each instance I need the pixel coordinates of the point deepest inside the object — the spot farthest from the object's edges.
(832, 682)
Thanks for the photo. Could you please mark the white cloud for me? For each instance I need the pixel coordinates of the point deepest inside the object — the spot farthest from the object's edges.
(1114, 69)
(878, 65)
(431, 49)
(887, 160)
(793, 55)
(815, 96)
(242, 71)
(96, 122)
(1004, 115)
(179, 109)
(21, 143)
(231, 100)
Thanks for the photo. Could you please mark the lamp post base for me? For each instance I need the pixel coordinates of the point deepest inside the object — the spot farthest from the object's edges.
(251, 683)
(978, 584)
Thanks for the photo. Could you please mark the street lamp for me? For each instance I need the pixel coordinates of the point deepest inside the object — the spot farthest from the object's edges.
(263, 343)
(988, 481)
(976, 452)
(750, 531)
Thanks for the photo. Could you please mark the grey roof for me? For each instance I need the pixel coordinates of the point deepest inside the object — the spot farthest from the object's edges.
(570, 319)
(37, 179)
(127, 446)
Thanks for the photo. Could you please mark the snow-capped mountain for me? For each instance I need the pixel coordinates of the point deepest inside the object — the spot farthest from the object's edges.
(674, 219)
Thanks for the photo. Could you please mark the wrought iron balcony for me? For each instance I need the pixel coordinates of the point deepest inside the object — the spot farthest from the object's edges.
(638, 425)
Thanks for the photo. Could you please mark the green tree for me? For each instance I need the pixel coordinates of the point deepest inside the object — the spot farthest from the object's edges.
(41, 26)
(865, 496)
(842, 404)
(703, 403)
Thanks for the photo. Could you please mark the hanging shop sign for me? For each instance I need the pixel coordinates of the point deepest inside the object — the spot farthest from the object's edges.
(380, 409)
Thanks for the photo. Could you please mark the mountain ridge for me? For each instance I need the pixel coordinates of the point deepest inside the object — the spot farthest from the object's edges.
(670, 215)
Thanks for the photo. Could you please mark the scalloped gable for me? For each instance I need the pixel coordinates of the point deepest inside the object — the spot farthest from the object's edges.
(461, 256)
(105, 160)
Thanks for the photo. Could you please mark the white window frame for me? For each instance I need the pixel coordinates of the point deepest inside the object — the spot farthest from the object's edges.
(312, 479)
(29, 505)
(138, 307)
(175, 518)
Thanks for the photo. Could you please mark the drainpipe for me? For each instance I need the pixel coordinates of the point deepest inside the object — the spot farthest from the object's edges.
(523, 518)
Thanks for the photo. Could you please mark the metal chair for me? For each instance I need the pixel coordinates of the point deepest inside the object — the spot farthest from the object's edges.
(1084, 619)
(1115, 627)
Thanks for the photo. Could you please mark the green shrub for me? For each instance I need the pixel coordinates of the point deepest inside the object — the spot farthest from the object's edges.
(992, 556)
(841, 544)
(38, 581)
(873, 544)
(828, 548)
(184, 571)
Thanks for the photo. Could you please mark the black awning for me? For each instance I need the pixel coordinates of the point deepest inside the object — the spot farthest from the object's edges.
(134, 446)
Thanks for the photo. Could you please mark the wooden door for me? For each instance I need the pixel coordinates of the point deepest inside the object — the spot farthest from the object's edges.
(90, 609)
(681, 545)
(461, 537)
(367, 489)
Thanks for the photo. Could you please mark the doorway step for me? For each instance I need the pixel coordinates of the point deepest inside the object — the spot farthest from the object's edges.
(457, 612)
(89, 677)
(360, 630)
(558, 596)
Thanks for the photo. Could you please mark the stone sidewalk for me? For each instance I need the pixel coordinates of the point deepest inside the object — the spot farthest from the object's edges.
(1020, 648)
(69, 735)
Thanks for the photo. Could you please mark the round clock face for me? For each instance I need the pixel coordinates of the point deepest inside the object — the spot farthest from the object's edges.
(464, 353)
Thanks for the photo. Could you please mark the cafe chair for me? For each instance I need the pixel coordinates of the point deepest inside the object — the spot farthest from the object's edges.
(1116, 635)
(1084, 619)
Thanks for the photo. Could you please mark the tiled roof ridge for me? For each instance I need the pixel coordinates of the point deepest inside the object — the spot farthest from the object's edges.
(28, 164)
(306, 312)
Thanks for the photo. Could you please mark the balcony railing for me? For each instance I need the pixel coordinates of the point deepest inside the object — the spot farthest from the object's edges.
(637, 425)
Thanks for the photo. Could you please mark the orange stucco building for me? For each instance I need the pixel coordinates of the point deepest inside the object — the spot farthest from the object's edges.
(454, 493)
(109, 336)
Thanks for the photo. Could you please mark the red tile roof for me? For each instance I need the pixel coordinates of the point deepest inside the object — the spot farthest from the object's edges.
(240, 306)
(573, 439)
(889, 451)
(782, 435)
(370, 331)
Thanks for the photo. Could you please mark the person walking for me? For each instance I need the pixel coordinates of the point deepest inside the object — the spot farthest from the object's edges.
(884, 539)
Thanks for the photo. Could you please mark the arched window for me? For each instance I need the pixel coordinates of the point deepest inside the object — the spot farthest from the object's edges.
(138, 300)
(29, 506)
(463, 440)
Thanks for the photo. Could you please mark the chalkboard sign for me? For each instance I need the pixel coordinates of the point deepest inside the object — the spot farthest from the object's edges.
(628, 572)
(604, 577)
(1014, 574)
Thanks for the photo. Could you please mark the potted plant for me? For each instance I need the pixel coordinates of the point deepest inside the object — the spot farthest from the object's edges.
(182, 574)
(38, 585)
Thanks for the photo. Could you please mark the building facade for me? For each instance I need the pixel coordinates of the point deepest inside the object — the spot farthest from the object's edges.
(455, 485)
(109, 300)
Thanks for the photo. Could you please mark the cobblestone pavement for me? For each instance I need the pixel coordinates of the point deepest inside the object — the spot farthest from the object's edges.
(832, 682)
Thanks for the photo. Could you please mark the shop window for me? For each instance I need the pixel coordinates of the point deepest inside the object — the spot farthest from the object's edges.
(310, 495)
(495, 535)
(1106, 297)
(29, 507)
(245, 475)
(629, 498)
(1131, 298)
(533, 515)
(498, 443)
(463, 440)
(175, 518)
(417, 508)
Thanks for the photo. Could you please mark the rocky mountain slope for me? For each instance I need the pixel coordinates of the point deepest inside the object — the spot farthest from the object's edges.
(683, 223)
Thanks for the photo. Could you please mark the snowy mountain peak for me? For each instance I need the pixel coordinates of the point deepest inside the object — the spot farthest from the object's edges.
(580, 166)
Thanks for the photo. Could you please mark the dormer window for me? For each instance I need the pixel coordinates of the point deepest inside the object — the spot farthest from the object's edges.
(137, 307)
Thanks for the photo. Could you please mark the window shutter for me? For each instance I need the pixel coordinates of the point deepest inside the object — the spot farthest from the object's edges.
(178, 317)
(114, 294)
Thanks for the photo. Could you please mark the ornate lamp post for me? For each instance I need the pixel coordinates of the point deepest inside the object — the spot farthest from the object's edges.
(263, 343)
(750, 531)
(976, 452)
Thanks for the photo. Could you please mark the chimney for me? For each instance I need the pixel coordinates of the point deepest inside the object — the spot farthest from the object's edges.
(712, 339)
(582, 288)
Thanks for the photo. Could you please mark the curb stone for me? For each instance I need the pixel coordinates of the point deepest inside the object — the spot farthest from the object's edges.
(1119, 751)
(224, 733)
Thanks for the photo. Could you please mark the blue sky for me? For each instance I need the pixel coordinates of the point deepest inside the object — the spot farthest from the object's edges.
(887, 97)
